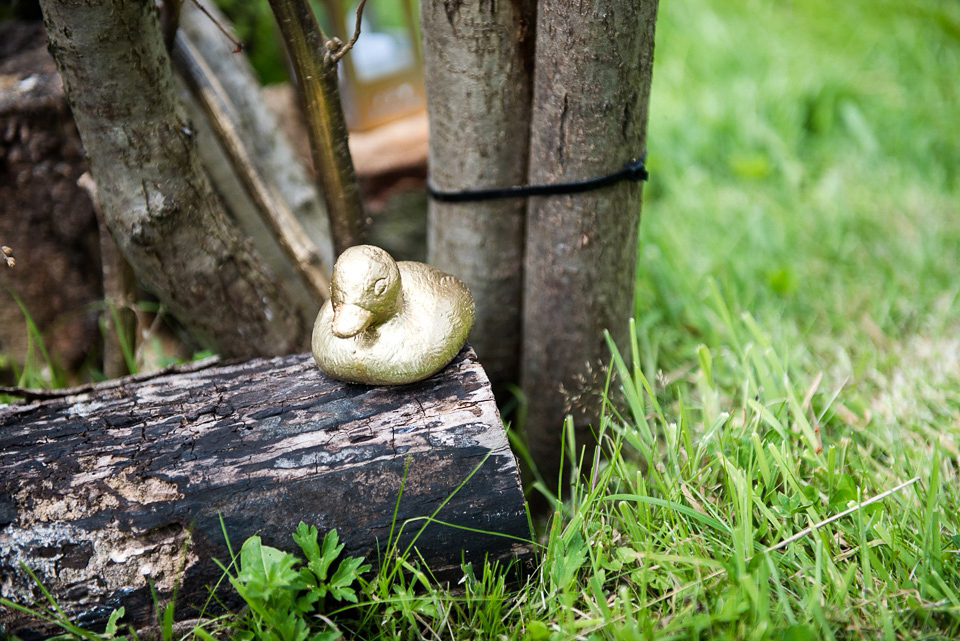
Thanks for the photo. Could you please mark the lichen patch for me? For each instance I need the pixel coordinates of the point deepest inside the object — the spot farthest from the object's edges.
(105, 562)
(144, 491)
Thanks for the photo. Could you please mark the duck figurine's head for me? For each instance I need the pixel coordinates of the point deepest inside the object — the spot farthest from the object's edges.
(389, 323)
(365, 289)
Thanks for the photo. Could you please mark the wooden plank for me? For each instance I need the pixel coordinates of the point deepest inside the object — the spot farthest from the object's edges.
(105, 489)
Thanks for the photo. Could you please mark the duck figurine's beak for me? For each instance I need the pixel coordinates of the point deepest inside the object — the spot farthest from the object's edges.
(349, 320)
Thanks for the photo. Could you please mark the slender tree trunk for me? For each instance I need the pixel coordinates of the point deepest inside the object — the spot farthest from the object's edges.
(119, 321)
(314, 59)
(156, 199)
(478, 66)
(591, 92)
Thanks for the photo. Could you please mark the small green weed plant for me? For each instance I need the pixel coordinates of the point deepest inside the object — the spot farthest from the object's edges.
(282, 599)
(285, 596)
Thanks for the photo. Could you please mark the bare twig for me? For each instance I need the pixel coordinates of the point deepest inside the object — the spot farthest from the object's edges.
(342, 49)
(120, 320)
(238, 46)
(816, 526)
(787, 541)
(312, 58)
(30, 394)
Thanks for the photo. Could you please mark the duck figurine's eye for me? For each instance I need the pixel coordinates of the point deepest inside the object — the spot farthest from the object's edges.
(380, 287)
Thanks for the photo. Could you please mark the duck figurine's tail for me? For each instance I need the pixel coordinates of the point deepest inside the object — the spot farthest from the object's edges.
(389, 323)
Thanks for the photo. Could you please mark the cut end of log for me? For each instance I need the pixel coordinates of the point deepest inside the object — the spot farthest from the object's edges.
(108, 490)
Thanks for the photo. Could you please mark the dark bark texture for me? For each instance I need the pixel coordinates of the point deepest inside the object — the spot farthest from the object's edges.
(478, 60)
(591, 91)
(110, 486)
(156, 199)
(44, 216)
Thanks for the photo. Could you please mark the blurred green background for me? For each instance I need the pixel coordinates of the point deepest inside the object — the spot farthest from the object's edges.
(805, 155)
(253, 24)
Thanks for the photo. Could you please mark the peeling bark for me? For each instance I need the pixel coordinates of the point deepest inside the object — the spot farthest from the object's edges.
(104, 489)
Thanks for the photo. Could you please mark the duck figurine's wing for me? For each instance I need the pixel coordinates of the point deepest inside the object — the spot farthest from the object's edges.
(438, 310)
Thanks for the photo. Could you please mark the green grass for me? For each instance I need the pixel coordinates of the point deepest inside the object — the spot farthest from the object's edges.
(39, 369)
(797, 353)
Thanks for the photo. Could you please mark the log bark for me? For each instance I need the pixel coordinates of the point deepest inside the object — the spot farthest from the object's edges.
(591, 92)
(478, 66)
(106, 488)
(157, 201)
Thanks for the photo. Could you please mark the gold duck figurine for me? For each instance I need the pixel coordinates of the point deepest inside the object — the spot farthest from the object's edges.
(389, 323)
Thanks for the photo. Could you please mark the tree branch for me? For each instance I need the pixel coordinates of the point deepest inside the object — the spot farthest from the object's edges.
(154, 192)
(342, 50)
(315, 63)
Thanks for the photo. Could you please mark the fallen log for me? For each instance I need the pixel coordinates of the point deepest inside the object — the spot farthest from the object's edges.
(107, 489)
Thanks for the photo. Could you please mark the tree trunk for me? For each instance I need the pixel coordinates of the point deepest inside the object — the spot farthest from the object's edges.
(156, 199)
(478, 67)
(253, 166)
(591, 92)
(108, 487)
(119, 320)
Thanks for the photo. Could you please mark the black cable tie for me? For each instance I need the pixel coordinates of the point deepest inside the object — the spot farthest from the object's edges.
(635, 171)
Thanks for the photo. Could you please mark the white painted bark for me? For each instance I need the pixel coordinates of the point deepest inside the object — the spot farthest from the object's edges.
(477, 60)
